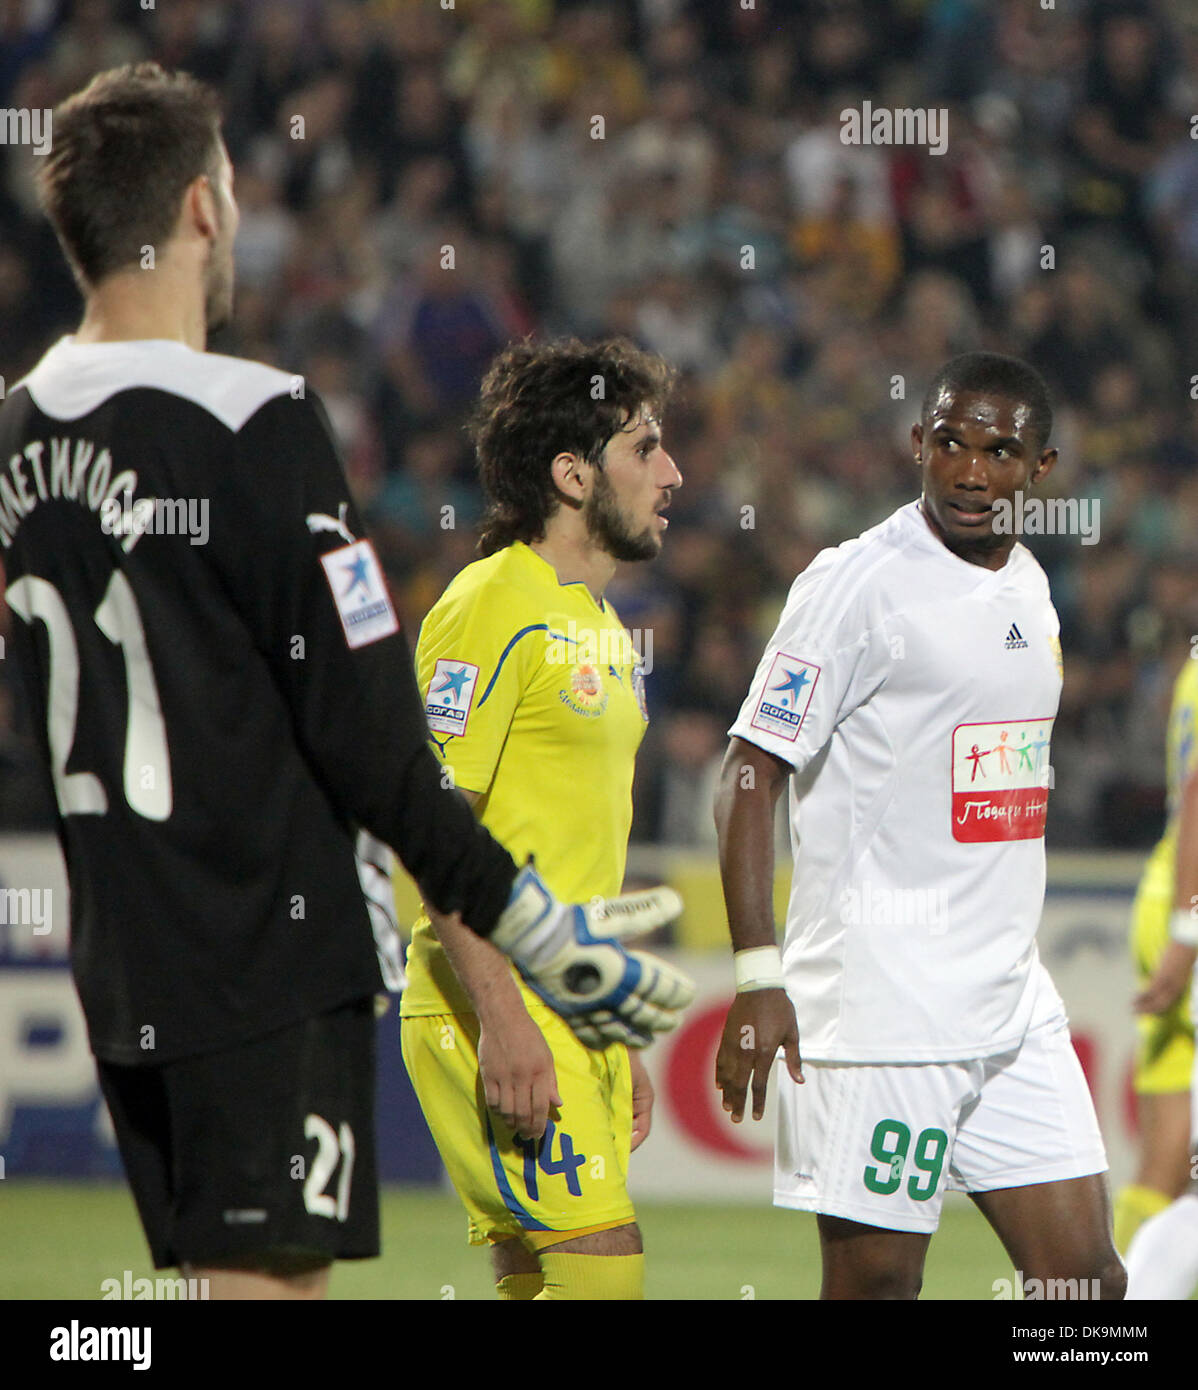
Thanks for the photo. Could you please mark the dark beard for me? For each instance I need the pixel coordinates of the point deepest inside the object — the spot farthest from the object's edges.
(608, 529)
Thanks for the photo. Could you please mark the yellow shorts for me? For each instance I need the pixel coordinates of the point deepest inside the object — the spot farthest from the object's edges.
(1165, 1055)
(574, 1180)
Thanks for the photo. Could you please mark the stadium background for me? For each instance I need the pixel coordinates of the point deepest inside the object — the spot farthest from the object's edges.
(1061, 224)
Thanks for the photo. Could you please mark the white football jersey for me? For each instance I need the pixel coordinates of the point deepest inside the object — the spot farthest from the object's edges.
(914, 695)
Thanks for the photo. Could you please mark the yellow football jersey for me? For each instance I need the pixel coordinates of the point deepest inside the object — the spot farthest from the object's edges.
(1182, 745)
(1166, 1054)
(1181, 757)
(535, 700)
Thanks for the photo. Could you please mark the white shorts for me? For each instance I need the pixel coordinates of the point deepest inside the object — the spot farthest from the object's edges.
(882, 1144)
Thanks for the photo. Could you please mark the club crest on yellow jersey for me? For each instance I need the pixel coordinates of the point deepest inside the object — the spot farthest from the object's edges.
(585, 693)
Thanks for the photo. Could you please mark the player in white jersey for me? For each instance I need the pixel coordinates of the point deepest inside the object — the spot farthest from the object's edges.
(908, 696)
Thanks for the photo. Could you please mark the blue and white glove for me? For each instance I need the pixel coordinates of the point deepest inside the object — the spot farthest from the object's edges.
(572, 957)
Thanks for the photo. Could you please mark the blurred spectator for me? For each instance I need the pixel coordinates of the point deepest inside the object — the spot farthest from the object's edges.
(274, 58)
(675, 139)
(857, 258)
(750, 388)
(266, 234)
(405, 224)
(424, 499)
(751, 220)
(818, 162)
(497, 58)
(1120, 126)
(677, 319)
(1015, 240)
(587, 56)
(439, 328)
(91, 40)
(844, 46)
(329, 372)
(424, 124)
(1094, 323)
(677, 777)
(26, 33)
(943, 202)
(196, 35)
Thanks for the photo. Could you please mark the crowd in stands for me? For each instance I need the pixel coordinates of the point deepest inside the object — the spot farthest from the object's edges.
(421, 181)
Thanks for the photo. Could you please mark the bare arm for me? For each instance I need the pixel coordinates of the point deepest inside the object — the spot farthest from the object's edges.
(759, 1021)
(751, 781)
(515, 1061)
(1177, 963)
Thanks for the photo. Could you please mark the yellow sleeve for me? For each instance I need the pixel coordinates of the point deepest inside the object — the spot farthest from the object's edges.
(474, 659)
(1182, 745)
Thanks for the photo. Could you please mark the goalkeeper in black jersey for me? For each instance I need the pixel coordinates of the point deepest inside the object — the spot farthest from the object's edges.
(224, 701)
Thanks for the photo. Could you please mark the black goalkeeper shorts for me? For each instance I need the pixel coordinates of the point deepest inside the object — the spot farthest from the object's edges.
(265, 1148)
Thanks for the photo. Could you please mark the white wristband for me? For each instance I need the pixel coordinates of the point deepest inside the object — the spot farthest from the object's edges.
(1183, 926)
(759, 967)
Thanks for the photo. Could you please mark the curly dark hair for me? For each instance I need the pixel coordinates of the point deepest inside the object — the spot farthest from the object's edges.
(542, 399)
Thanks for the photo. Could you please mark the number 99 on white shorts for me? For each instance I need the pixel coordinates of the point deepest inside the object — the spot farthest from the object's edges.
(882, 1143)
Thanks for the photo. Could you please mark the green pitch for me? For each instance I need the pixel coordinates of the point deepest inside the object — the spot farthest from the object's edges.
(61, 1240)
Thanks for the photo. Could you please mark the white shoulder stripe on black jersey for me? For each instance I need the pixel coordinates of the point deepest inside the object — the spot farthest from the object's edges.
(73, 379)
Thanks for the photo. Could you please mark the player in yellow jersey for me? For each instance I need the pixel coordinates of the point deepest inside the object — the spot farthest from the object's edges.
(535, 699)
(1165, 1059)
(1162, 1258)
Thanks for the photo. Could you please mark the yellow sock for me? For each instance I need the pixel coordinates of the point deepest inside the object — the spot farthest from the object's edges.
(1133, 1206)
(519, 1288)
(580, 1278)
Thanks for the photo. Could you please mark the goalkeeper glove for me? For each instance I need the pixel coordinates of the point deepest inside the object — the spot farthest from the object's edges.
(571, 956)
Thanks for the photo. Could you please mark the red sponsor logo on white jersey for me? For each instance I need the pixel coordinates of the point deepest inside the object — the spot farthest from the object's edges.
(1001, 775)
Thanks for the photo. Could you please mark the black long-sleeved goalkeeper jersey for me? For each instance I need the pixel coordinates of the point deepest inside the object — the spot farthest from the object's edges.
(222, 692)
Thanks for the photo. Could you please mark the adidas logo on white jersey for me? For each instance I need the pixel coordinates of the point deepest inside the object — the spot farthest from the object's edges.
(1014, 640)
